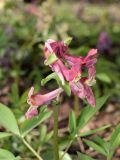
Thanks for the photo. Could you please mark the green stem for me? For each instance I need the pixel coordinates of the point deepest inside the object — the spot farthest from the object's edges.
(31, 149)
(56, 147)
(110, 154)
(76, 105)
(109, 158)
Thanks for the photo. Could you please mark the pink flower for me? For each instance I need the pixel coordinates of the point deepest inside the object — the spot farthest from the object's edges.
(73, 73)
(59, 48)
(83, 90)
(69, 73)
(90, 59)
(61, 70)
(36, 100)
(55, 66)
(87, 61)
(65, 73)
(61, 51)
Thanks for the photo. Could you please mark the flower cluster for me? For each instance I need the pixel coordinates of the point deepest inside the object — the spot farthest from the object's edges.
(68, 68)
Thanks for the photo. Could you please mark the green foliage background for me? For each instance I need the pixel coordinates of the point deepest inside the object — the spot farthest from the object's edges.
(22, 37)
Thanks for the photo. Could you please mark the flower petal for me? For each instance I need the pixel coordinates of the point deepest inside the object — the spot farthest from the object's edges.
(37, 100)
(92, 53)
(91, 72)
(90, 59)
(73, 59)
(69, 74)
(78, 89)
(31, 112)
(31, 92)
(48, 46)
(89, 96)
(58, 70)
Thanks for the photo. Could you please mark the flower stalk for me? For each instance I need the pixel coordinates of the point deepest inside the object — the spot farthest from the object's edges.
(31, 149)
(55, 138)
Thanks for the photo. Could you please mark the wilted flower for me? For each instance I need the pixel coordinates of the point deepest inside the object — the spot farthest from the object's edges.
(56, 55)
(87, 61)
(80, 86)
(36, 100)
(59, 49)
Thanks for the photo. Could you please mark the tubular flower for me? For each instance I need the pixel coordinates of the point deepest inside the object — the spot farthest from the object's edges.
(83, 90)
(56, 55)
(36, 100)
(87, 61)
(80, 86)
(69, 73)
(90, 59)
(60, 49)
(56, 65)
(61, 70)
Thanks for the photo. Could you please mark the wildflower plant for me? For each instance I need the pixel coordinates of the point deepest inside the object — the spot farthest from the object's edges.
(67, 69)
(74, 75)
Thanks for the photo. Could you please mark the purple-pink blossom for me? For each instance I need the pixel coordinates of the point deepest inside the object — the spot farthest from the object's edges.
(68, 68)
(80, 86)
(104, 42)
(36, 100)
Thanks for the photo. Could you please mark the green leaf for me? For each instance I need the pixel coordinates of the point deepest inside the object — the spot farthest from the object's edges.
(84, 134)
(66, 88)
(48, 78)
(24, 96)
(67, 41)
(51, 59)
(43, 131)
(72, 121)
(48, 136)
(64, 142)
(18, 158)
(115, 137)
(7, 119)
(115, 140)
(6, 155)
(48, 155)
(82, 156)
(101, 142)
(88, 112)
(28, 125)
(4, 134)
(15, 95)
(95, 147)
(103, 77)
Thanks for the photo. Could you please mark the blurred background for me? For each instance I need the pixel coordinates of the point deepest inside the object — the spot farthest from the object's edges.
(24, 27)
